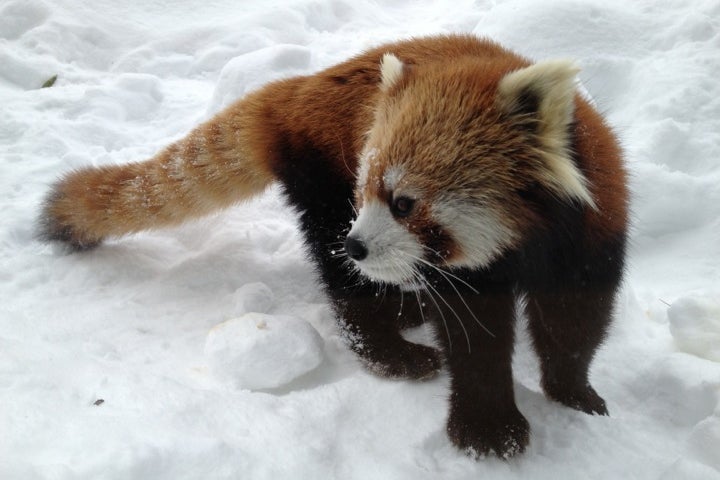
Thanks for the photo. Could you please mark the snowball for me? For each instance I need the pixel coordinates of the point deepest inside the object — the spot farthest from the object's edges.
(259, 351)
(253, 297)
(695, 325)
(704, 441)
(254, 69)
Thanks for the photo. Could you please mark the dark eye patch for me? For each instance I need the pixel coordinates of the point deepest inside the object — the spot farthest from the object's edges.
(402, 206)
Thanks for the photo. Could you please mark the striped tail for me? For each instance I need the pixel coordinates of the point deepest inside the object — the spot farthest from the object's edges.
(216, 165)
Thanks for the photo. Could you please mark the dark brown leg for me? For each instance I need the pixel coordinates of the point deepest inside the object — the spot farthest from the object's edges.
(567, 327)
(370, 324)
(483, 416)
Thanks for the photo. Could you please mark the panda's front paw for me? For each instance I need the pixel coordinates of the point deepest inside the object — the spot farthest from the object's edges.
(479, 433)
(580, 397)
(403, 360)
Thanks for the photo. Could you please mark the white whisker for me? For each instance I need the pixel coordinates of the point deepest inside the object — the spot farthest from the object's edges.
(441, 270)
(467, 337)
(420, 306)
(353, 207)
(437, 307)
(468, 307)
(445, 274)
(402, 300)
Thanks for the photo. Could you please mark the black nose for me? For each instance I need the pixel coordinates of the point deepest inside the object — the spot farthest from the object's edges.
(355, 248)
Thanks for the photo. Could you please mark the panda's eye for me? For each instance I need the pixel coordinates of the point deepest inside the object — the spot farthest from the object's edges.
(402, 206)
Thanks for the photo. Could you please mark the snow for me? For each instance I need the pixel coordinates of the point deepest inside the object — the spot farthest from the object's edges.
(129, 322)
(259, 351)
(695, 326)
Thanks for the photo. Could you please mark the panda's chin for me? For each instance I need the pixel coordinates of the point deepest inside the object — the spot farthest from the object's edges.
(383, 275)
(388, 270)
(411, 286)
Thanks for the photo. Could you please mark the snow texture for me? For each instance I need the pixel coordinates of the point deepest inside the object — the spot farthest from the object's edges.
(259, 351)
(695, 326)
(104, 371)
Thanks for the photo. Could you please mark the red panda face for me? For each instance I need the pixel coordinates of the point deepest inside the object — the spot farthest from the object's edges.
(453, 147)
(407, 219)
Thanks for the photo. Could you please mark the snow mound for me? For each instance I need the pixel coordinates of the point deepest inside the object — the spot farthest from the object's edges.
(254, 297)
(695, 325)
(258, 351)
(17, 17)
(704, 440)
(701, 460)
(255, 69)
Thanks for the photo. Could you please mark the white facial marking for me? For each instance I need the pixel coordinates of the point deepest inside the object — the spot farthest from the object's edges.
(392, 178)
(392, 250)
(366, 159)
(478, 231)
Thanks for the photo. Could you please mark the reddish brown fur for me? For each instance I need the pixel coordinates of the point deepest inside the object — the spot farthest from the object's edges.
(465, 163)
(601, 160)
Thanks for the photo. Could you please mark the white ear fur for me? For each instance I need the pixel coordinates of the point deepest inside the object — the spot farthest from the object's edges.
(391, 70)
(551, 84)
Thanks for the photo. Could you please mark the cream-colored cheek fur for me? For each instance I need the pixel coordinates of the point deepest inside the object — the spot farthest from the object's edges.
(391, 70)
(392, 250)
(553, 83)
(479, 232)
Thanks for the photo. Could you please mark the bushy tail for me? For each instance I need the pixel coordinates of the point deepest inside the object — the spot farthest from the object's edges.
(212, 168)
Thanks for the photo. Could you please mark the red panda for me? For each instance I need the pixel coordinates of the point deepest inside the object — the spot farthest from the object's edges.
(452, 170)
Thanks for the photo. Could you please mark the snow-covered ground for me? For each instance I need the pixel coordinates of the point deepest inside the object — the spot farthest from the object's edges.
(118, 364)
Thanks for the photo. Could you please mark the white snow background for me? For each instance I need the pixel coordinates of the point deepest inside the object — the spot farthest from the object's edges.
(112, 363)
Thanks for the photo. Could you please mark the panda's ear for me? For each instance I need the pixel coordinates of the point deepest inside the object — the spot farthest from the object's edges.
(541, 98)
(545, 90)
(391, 71)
